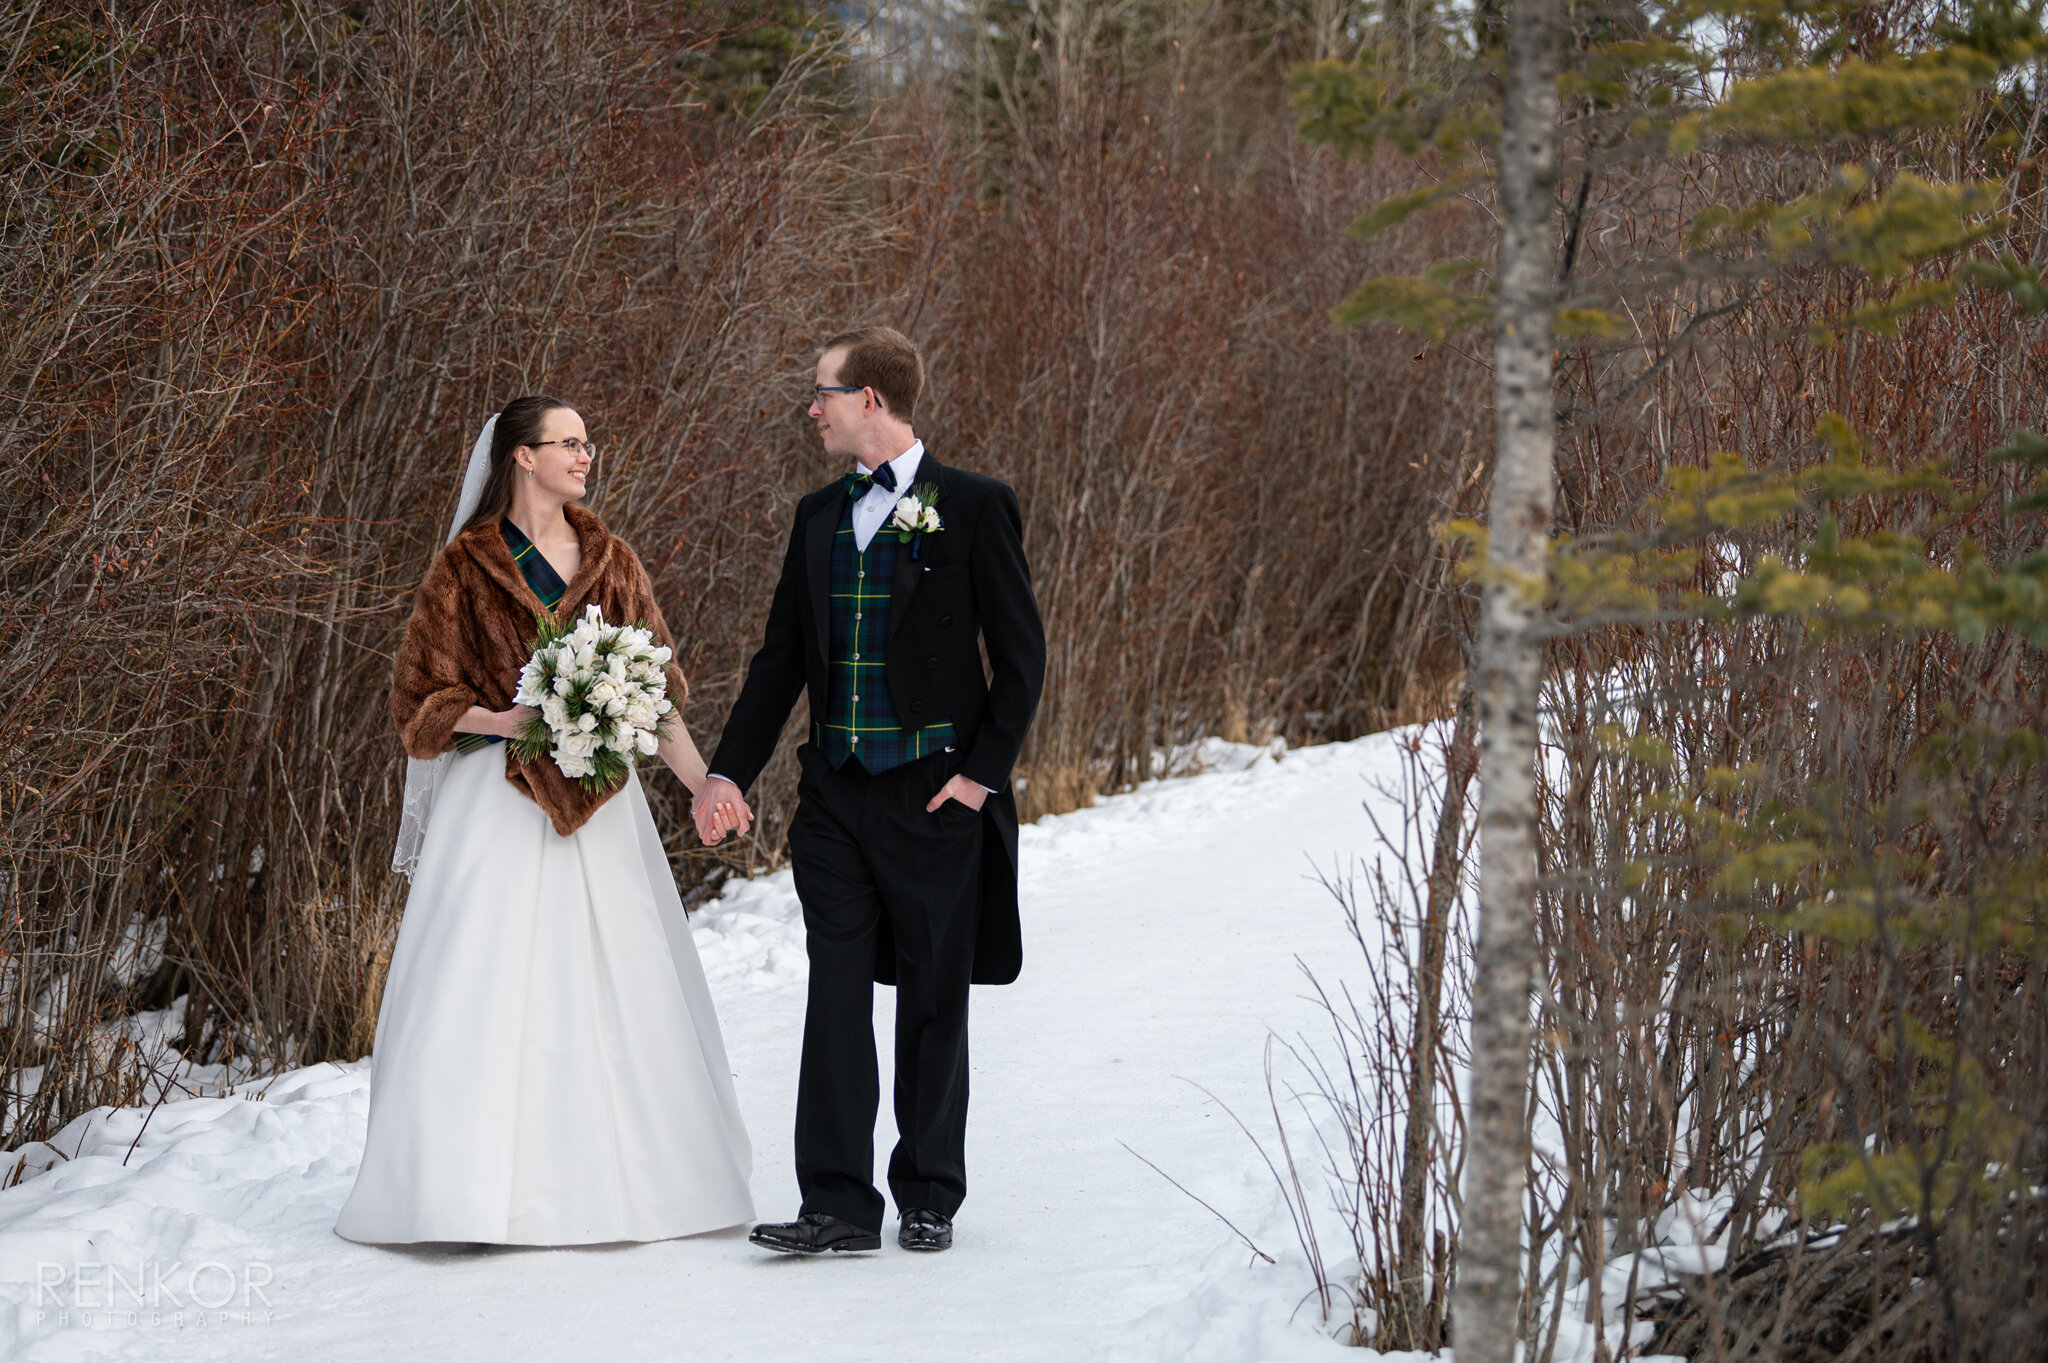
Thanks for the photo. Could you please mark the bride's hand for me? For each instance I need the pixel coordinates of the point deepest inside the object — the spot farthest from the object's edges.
(499, 723)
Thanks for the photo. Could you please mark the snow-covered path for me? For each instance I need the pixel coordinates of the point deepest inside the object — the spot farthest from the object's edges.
(1161, 936)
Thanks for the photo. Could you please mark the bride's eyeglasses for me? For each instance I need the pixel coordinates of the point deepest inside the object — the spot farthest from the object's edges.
(572, 445)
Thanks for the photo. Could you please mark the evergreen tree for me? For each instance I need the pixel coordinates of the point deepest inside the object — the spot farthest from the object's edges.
(1541, 114)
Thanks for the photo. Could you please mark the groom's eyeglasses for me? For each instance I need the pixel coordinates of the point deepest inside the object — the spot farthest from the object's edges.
(572, 445)
(819, 390)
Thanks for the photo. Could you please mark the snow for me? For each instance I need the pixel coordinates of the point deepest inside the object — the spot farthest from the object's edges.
(1162, 931)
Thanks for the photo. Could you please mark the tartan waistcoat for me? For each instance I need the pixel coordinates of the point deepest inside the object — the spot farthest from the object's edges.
(860, 715)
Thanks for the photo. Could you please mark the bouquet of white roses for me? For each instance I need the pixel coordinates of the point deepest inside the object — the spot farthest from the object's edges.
(602, 696)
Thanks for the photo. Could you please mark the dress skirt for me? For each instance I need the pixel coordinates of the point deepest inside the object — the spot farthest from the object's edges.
(548, 1069)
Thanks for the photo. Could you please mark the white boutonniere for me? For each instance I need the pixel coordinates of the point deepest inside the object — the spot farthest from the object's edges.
(916, 515)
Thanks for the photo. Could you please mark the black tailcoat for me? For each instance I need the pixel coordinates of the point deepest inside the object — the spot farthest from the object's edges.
(968, 586)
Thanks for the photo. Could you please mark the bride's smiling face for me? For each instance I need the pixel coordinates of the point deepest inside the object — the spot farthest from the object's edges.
(560, 460)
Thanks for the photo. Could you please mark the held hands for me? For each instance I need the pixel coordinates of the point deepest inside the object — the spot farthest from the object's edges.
(967, 792)
(719, 808)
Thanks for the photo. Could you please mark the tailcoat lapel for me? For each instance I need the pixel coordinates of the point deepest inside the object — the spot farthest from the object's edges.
(910, 571)
(818, 532)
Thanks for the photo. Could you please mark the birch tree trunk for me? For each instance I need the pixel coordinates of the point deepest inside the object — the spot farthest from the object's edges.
(1510, 671)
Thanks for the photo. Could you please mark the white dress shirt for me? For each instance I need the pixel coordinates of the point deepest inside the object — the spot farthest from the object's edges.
(872, 511)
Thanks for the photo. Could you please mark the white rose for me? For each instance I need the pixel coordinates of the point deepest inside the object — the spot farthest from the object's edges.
(930, 519)
(646, 742)
(555, 711)
(661, 655)
(586, 722)
(564, 685)
(602, 690)
(576, 743)
(906, 510)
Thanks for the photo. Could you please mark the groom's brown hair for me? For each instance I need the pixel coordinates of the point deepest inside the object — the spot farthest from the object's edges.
(882, 358)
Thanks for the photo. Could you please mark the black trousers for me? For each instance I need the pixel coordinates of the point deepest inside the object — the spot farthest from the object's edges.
(872, 866)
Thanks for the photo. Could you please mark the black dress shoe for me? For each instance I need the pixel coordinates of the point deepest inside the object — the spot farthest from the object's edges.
(925, 1229)
(814, 1233)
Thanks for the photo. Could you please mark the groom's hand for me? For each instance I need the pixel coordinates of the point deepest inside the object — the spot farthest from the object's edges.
(720, 808)
(967, 792)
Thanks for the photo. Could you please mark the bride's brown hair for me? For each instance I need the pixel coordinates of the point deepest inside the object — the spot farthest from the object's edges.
(519, 424)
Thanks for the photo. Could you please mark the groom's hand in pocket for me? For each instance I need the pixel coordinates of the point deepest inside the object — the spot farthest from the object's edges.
(719, 808)
(967, 792)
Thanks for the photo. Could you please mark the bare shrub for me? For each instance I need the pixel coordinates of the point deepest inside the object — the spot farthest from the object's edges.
(273, 264)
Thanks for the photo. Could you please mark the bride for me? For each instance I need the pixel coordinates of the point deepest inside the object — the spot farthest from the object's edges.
(547, 1067)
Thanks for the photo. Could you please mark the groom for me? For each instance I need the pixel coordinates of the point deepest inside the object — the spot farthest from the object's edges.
(904, 842)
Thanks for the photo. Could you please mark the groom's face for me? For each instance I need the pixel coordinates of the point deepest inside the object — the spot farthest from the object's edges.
(839, 415)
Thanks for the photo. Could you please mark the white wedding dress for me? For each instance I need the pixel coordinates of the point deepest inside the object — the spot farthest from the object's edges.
(548, 1069)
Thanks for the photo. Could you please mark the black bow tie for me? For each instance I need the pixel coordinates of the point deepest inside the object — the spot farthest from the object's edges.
(857, 484)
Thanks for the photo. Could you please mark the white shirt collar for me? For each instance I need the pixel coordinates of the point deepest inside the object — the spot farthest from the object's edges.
(904, 466)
